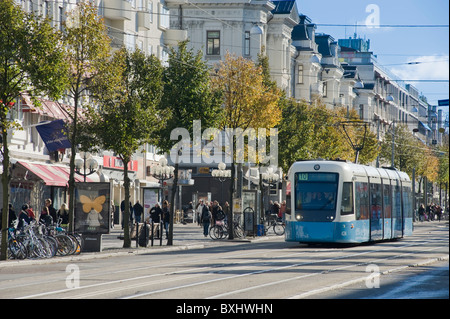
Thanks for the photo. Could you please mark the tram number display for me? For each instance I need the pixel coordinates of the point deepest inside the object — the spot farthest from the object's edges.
(316, 177)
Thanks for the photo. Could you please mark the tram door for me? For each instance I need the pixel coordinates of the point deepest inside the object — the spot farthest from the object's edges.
(396, 210)
(387, 209)
(376, 211)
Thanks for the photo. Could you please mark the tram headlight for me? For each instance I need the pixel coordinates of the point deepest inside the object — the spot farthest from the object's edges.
(298, 216)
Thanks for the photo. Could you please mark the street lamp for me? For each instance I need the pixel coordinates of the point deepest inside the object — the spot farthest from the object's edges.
(86, 165)
(162, 171)
(270, 177)
(221, 174)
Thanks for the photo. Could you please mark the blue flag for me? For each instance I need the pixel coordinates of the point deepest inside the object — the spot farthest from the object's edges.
(54, 135)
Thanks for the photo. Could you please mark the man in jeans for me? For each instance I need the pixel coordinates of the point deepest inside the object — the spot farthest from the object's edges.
(206, 219)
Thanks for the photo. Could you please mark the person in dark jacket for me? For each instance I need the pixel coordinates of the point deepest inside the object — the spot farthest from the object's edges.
(206, 219)
(138, 210)
(166, 217)
(156, 213)
(23, 217)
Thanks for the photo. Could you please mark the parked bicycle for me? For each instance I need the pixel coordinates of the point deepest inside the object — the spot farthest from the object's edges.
(276, 224)
(36, 240)
(220, 230)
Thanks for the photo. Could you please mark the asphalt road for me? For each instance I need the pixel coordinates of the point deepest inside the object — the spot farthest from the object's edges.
(260, 271)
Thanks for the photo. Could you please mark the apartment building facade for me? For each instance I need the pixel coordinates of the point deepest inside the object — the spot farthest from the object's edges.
(37, 173)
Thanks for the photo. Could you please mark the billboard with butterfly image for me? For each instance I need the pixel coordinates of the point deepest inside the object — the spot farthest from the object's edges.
(92, 208)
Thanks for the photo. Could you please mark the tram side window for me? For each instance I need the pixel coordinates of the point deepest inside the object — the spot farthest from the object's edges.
(361, 200)
(407, 202)
(347, 199)
(376, 202)
(396, 201)
(387, 200)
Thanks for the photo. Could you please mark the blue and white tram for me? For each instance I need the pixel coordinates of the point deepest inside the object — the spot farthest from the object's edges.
(343, 202)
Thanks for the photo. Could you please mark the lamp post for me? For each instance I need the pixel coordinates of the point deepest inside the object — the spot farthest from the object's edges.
(270, 178)
(162, 172)
(221, 174)
(85, 165)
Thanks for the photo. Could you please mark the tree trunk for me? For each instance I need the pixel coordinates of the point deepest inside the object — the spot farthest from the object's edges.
(73, 152)
(6, 176)
(172, 203)
(230, 211)
(126, 216)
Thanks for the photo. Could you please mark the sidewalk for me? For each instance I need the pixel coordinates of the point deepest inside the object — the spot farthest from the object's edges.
(189, 236)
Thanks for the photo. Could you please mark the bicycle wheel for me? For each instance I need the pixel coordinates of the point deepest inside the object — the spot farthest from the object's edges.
(16, 249)
(46, 248)
(53, 243)
(65, 244)
(214, 232)
(278, 228)
(238, 231)
(223, 232)
(77, 241)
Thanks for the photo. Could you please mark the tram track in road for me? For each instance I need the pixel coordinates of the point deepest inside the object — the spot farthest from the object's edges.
(264, 271)
(257, 269)
(321, 272)
(202, 271)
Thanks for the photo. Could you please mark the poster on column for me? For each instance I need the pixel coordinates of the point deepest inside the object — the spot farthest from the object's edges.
(92, 208)
(151, 197)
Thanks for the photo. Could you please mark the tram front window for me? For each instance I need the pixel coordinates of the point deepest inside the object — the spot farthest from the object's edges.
(315, 196)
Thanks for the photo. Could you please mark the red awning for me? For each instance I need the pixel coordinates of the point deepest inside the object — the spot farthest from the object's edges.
(53, 175)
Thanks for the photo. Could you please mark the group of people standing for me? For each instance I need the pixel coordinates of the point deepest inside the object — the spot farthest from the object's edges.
(136, 212)
(431, 212)
(276, 209)
(210, 212)
(156, 214)
(48, 215)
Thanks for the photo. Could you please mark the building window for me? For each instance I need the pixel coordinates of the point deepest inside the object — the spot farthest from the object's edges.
(300, 73)
(61, 17)
(361, 111)
(213, 43)
(324, 89)
(247, 43)
(150, 10)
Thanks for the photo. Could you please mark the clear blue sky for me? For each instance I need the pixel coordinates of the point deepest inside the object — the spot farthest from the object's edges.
(394, 46)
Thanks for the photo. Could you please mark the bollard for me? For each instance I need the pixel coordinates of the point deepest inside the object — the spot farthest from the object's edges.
(137, 234)
(153, 233)
(160, 232)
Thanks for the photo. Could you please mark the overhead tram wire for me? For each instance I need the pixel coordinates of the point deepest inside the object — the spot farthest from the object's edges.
(226, 22)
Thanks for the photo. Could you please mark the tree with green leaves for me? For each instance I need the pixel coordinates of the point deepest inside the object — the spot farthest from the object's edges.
(31, 61)
(251, 101)
(87, 48)
(126, 114)
(188, 96)
(406, 150)
(313, 131)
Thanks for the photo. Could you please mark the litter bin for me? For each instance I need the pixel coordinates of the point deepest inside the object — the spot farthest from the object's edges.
(260, 230)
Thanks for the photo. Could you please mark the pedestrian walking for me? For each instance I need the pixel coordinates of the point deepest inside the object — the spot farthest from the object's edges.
(438, 212)
(24, 217)
(113, 209)
(421, 212)
(156, 213)
(138, 210)
(63, 215)
(51, 209)
(217, 212)
(206, 219)
(45, 217)
(198, 212)
(166, 217)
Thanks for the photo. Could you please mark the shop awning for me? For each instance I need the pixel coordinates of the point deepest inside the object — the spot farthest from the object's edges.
(53, 175)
